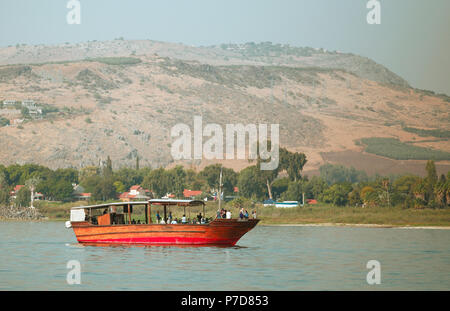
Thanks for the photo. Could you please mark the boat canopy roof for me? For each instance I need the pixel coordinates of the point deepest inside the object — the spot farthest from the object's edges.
(152, 201)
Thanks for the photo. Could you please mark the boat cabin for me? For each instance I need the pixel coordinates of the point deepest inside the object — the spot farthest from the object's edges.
(119, 213)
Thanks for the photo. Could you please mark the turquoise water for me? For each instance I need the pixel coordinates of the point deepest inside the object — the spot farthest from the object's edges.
(33, 256)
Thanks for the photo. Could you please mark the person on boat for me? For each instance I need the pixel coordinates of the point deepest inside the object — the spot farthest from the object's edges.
(162, 222)
(246, 214)
(174, 222)
(228, 214)
(241, 213)
(254, 214)
(113, 212)
(170, 217)
(158, 217)
(219, 214)
(183, 219)
(224, 213)
(199, 217)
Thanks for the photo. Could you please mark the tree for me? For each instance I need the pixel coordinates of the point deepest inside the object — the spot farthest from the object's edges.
(338, 173)
(318, 186)
(403, 190)
(4, 196)
(62, 190)
(211, 174)
(337, 194)
(108, 171)
(4, 192)
(294, 191)
(293, 163)
(440, 191)
(279, 186)
(369, 196)
(250, 183)
(119, 186)
(176, 180)
(25, 112)
(130, 177)
(23, 197)
(354, 197)
(4, 121)
(157, 182)
(104, 190)
(419, 190)
(430, 182)
(87, 172)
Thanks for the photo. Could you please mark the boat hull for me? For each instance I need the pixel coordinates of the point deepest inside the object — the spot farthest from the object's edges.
(218, 232)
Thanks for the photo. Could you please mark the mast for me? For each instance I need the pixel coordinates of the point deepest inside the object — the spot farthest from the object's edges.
(220, 188)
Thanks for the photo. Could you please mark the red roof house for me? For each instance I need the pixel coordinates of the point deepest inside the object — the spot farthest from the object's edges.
(136, 192)
(191, 193)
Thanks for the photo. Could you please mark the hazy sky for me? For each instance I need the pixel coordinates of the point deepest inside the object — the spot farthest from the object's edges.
(413, 39)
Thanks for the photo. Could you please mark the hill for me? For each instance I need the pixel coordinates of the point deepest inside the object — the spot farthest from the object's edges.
(121, 98)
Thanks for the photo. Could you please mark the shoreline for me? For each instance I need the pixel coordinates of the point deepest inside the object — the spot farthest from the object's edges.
(358, 226)
(327, 224)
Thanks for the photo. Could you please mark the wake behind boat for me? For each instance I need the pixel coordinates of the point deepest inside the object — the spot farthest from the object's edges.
(114, 225)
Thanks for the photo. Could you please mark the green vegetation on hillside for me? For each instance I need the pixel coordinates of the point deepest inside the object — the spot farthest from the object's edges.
(268, 49)
(424, 133)
(9, 73)
(395, 149)
(115, 60)
(3, 121)
(245, 76)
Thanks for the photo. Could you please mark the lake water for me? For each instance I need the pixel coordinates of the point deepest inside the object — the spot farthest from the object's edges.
(34, 255)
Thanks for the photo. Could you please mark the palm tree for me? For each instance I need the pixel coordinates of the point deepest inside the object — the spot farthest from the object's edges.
(419, 190)
(440, 193)
(31, 184)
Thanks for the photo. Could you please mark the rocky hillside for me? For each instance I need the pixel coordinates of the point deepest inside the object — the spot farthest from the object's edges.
(121, 98)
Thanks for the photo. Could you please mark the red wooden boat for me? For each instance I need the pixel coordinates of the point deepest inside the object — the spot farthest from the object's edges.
(115, 226)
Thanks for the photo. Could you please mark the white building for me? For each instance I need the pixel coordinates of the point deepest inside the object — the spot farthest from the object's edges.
(30, 104)
(9, 103)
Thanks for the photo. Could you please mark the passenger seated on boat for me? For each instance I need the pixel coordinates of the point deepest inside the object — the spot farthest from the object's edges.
(158, 217)
(138, 222)
(133, 222)
(162, 222)
(174, 222)
(199, 217)
(183, 219)
(105, 211)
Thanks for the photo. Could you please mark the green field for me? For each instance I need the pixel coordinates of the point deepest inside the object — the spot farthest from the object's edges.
(425, 133)
(395, 149)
